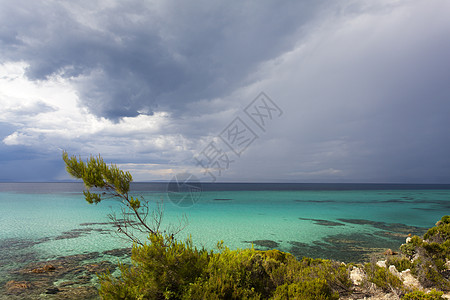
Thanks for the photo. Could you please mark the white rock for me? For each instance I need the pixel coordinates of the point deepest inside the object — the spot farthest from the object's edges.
(408, 239)
(409, 280)
(447, 264)
(357, 275)
(394, 271)
(381, 263)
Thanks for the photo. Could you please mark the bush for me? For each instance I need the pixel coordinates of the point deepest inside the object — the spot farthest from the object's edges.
(439, 233)
(400, 263)
(252, 274)
(428, 273)
(410, 249)
(420, 295)
(234, 275)
(382, 278)
(430, 255)
(312, 289)
(167, 269)
(161, 270)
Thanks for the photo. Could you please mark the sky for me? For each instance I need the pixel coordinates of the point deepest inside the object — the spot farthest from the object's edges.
(240, 91)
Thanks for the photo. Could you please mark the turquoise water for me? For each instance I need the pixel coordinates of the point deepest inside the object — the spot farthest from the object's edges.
(337, 224)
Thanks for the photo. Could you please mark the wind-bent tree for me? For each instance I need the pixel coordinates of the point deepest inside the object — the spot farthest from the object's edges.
(109, 182)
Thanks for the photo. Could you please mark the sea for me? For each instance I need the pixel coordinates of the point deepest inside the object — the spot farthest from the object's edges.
(344, 222)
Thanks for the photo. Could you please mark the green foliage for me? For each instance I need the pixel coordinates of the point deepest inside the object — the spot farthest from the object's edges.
(235, 275)
(382, 277)
(111, 182)
(429, 275)
(410, 248)
(162, 269)
(311, 289)
(440, 233)
(400, 263)
(430, 255)
(96, 173)
(420, 295)
(167, 269)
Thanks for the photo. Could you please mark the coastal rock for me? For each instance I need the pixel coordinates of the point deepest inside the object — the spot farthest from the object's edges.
(382, 264)
(409, 280)
(17, 287)
(68, 277)
(52, 291)
(80, 292)
(394, 271)
(44, 269)
(100, 267)
(357, 275)
(390, 252)
(382, 296)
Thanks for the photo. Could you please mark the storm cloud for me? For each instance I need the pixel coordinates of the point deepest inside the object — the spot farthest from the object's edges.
(364, 86)
(132, 57)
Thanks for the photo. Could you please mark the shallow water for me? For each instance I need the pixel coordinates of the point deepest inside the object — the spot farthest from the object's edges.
(45, 221)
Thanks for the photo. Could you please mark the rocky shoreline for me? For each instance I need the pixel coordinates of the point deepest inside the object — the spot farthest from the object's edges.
(69, 277)
(75, 277)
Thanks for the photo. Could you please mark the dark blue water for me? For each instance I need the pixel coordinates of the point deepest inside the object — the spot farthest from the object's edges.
(73, 187)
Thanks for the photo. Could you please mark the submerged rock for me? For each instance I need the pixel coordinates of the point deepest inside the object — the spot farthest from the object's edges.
(264, 243)
(69, 277)
(323, 222)
(54, 290)
(17, 287)
(118, 252)
(44, 269)
(81, 292)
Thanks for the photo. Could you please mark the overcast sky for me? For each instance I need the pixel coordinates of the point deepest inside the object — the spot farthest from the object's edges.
(354, 91)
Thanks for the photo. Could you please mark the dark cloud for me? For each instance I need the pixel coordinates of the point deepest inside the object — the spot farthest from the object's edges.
(32, 170)
(135, 56)
(364, 86)
(368, 104)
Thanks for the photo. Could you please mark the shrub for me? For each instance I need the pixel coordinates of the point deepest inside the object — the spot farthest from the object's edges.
(410, 248)
(161, 270)
(311, 289)
(428, 274)
(167, 269)
(420, 295)
(439, 233)
(431, 254)
(400, 263)
(252, 274)
(382, 277)
(234, 275)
